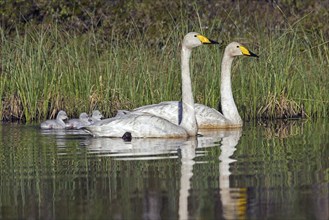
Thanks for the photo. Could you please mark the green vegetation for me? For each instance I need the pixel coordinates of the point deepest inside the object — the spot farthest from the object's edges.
(119, 58)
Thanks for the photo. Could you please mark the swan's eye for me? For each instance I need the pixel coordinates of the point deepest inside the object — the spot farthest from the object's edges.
(237, 46)
(194, 35)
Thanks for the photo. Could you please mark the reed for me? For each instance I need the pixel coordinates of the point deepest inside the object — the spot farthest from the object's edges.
(48, 69)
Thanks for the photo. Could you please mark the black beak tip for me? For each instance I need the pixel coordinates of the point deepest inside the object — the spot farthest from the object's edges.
(253, 55)
(213, 42)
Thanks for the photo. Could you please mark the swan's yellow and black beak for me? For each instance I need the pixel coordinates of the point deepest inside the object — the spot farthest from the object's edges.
(247, 52)
(205, 40)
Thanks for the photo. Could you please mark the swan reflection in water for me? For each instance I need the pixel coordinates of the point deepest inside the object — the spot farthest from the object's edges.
(233, 200)
(62, 136)
(136, 149)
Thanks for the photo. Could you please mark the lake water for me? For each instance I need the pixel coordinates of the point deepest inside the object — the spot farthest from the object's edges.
(266, 171)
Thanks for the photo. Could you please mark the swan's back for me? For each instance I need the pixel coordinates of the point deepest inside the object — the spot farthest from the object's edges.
(167, 110)
(51, 124)
(77, 123)
(206, 117)
(140, 125)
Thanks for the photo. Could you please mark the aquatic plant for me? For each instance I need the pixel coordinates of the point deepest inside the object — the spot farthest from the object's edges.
(46, 67)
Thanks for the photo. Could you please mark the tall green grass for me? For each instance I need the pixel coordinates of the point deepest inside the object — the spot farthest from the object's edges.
(48, 69)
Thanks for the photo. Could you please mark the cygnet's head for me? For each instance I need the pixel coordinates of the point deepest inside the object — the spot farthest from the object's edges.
(83, 116)
(97, 115)
(61, 115)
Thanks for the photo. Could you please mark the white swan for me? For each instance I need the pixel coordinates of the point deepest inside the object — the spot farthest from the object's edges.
(141, 124)
(57, 123)
(211, 118)
(208, 117)
(77, 123)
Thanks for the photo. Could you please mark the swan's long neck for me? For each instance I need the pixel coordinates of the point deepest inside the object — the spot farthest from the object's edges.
(229, 108)
(188, 116)
(60, 121)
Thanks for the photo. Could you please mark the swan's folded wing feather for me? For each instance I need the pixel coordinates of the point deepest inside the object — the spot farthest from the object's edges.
(208, 118)
(138, 124)
(167, 110)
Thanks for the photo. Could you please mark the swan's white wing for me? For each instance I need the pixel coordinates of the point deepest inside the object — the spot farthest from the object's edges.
(208, 118)
(167, 110)
(140, 125)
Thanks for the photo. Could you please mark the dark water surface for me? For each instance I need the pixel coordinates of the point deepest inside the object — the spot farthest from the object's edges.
(272, 171)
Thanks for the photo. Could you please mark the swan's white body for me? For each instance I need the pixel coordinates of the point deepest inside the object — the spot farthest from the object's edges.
(207, 117)
(141, 124)
(78, 123)
(138, 124)
(57, 123)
